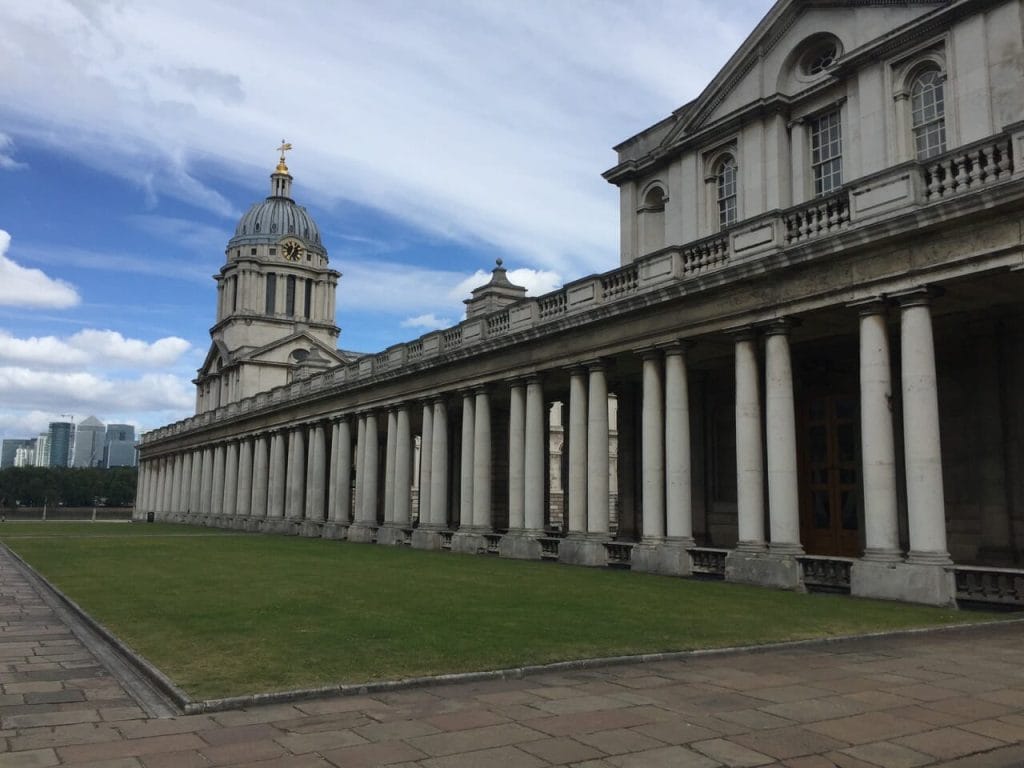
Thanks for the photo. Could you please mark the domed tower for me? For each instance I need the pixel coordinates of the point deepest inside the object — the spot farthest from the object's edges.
(275, 302)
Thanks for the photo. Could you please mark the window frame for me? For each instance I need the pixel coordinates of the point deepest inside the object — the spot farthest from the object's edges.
(928, 126)
(826, 171)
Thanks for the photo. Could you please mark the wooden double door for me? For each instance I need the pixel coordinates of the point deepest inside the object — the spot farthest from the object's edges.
(830, 477)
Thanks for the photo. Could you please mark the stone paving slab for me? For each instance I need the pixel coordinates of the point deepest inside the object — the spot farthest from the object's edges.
(945, 699)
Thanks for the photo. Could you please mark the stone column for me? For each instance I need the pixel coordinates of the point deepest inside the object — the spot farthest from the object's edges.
(339, 514)
(231, 479)
(597, 452)
(196, 491)
(678, 482)
(360, 453)
(653, 428)
(332, 474)
(260, 478)
(577, 486)
(426, 464)
(365, 529)
(878, 445)
(517, 456)
(926, 506)
(186, 486)
(295, 481)
(217, 499)
(172, 509)
(316, 481)
(482, 461)
(536, 446)
(439, 463)
(780, 424)
(206, 489)
(403, 468)
(277, 487)
(245, 480)
(466, 467)
(749, 453)
(391, 447)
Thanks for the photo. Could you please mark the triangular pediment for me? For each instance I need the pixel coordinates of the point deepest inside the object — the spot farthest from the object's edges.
(280, 350)
(217, 358)
(768, 65)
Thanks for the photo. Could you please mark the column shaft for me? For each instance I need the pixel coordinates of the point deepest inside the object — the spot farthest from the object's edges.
(780, 425)
(534, 475)
(217, 501)
(878, 445)
(577, 502)
(466, 467)
(653, 450)
(295, 481)
(438, 451)
(926, 506)
(597, 452)
(316, 479)
(390, 452)
(749, 453)
(678, 482)
(371, 462)
(245, 477)
(482, 461)
(403, 468)
(260, 476)
(341, 473)
(230, 479)
(360, 455)
(426, 463)
(517, 456)
(278, 472)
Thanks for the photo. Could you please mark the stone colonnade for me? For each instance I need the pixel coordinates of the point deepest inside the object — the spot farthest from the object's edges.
(349, 475)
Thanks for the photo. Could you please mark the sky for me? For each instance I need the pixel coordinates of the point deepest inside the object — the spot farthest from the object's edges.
(430, 137)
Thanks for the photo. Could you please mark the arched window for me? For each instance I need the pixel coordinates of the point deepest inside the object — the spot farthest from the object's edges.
(928, 114)
(725, 176)
(652, 220)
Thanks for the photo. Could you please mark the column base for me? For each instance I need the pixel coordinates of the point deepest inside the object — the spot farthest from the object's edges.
(363, 533)
(471, 542)
(239, 523)
(764, 569)
(583, 550)
(335, 531)
(392, 535)
(426, 538)
(906, 582)
(279, 526)
(253, 524)
(520, 545)
(311, 529)
(883, 555)
(667, 557)
(645, 557)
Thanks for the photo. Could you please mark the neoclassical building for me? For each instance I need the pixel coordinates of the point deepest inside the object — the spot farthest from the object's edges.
(812, 352)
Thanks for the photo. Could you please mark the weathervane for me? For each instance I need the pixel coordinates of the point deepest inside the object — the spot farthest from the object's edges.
(285, 147)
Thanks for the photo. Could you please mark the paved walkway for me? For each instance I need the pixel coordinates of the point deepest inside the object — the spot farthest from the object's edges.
(938, 699)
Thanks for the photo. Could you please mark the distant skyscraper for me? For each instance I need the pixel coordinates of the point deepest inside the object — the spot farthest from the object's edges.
(62, 434)
(119, 448)
(89, 439)
(25, 457)
(9, 449)
(43, 450)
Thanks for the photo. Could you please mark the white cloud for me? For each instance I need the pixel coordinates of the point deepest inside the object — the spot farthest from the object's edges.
(24, 287)
(7, 162)
(26, 390)
(429, 322)
(92, 348)
(535, 281)
(484, 122)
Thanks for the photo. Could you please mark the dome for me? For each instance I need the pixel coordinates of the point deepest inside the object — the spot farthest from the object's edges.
(272, 219)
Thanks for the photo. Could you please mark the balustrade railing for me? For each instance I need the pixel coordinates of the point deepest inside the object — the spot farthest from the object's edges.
(1003, 586)
(620, 553)
(706, 255)
(708, 560)
(493, 541)
(446, 539)
(822, 217)
(414, 349)
(552, 305)
(969, 168)
(832, 573)
(549, 547)
(498, 323)
(452, 338)
(621, 282)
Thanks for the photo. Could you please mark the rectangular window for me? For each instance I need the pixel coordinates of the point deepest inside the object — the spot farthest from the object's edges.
(309, 297)
(826, 153)
(289, 297)
(271, 294)
(234, 295)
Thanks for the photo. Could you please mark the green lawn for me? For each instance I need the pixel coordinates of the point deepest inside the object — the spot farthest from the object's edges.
(233, 614)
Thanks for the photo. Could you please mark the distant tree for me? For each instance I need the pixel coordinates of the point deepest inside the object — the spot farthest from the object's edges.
(36, 486)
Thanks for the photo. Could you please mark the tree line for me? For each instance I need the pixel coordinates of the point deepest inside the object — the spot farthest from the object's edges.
(70, 487)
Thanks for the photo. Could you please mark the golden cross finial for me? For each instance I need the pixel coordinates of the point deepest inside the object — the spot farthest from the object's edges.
(285, 147)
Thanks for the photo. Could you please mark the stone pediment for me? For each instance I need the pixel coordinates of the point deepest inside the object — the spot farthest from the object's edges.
(282, 351)
(777, 60)
(217, 358)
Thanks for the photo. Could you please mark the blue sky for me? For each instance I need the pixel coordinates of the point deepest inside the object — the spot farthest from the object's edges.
(430, 138)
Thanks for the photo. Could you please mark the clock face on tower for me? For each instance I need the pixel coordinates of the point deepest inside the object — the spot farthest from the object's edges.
(292, 250)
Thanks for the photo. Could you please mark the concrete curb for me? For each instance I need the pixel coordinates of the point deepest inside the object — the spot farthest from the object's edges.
(189, 706)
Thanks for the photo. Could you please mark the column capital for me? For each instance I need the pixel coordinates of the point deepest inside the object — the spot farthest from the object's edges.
(871, 305)
(578, 368)
(648, 353)
(780, 326)
(596, 364)
(743, 333)
(676, 347)
(921, 296)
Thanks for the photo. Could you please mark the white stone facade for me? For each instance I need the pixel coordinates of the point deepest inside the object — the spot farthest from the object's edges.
(814, 344)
